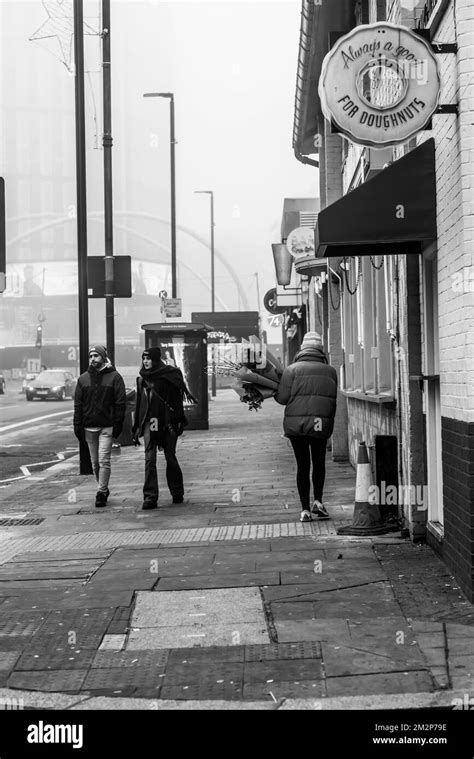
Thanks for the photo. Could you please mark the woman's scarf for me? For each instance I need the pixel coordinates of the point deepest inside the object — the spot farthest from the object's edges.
(171, 374)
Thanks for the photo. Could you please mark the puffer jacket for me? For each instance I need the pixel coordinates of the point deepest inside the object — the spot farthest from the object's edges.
(99, 400)
(308, 389)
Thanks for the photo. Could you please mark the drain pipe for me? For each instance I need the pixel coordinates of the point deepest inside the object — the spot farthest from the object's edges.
(399, 391)
(304, 159)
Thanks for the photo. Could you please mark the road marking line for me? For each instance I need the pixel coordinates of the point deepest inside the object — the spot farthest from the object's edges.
(31, 421)
(197, 615)
(25, 469)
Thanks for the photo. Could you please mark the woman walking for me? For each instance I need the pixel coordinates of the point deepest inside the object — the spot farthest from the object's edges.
(159, 418)
(308, 389)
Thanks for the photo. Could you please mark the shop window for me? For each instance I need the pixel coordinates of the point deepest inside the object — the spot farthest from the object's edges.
(366, 326)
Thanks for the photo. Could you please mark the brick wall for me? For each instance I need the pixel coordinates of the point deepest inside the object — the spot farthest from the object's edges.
(458, 486)
(455, 214)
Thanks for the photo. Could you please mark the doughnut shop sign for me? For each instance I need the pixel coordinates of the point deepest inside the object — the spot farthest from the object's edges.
(380, 84)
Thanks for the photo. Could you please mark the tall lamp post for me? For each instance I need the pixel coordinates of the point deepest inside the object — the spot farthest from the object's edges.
(213, 288)
(85, 466)
(170, 96)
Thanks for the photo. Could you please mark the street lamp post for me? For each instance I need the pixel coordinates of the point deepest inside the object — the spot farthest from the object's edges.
(213, 288)
(108, 206)
(85, 466)
(170, 96)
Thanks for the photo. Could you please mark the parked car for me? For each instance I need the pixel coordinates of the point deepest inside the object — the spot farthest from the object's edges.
(28, 380)
(52, 383)
(2, 384)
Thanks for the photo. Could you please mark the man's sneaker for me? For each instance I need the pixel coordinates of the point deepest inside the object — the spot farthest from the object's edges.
(100, 499)
(320, 511)
(306, 516)
(178, 499)
(149, 505)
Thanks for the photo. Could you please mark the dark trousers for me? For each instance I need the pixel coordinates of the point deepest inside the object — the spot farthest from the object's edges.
(309, 448)
(174, 475)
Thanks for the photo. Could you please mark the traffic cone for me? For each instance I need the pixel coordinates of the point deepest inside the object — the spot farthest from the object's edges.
(366, 519)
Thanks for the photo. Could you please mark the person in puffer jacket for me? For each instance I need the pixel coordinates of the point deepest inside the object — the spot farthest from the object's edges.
(99, 412)
(308, 389)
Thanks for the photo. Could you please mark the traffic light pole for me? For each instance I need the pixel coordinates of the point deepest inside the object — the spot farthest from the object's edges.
(81, 192)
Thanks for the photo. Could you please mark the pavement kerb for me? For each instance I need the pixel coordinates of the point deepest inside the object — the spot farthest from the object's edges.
(441, 699)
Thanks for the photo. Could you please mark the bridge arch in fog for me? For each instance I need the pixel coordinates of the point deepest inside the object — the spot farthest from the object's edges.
(98, 216)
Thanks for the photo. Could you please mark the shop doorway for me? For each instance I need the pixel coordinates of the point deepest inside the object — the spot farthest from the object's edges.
(432, 392)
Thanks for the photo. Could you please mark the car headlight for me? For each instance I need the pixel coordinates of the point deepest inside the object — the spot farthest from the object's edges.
(30, 387)
(57, 389)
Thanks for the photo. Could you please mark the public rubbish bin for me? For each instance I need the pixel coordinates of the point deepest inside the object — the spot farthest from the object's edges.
(126, 437)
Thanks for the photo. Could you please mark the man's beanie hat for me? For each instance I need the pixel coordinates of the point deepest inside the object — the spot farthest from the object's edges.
(311, 339)
(100, 349)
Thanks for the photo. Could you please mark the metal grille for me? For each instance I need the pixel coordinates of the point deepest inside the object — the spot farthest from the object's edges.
(12, 522)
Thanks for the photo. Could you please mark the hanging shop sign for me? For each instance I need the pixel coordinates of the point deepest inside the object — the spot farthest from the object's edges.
(271, 303)
(300, 242)
(380, 84)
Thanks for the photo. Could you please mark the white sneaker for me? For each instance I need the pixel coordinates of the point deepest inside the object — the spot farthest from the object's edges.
(306, 516)
(320, 511)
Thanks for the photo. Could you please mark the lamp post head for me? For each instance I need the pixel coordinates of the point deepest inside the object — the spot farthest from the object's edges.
(158, 95)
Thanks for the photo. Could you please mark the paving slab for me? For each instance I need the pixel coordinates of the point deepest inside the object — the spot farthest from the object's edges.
(390, 629)
(241, 579)
(312, 630)
(205, 689)
(177, 637)
(141, 659)
(373, 684)
(113, 642)
(14, 642)
(276, 691)
(21, 623)
(67, 599)
(300, 610)
(8, 659)
(282, 670)
(66, 681)
(62, 659)
(355, 659)
(454, 630)
(207, 655)
(123, 579)
(190, 673)
(230, 604)
(122, 677)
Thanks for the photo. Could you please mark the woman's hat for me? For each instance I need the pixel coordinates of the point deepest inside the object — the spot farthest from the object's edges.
(311, 340)
(153, 353)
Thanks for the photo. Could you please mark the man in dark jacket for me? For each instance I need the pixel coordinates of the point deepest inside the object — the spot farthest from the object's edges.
(159, 418)
(99, 411)
(308, 389)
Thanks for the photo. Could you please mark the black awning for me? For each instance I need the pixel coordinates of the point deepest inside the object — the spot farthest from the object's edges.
(394, 212)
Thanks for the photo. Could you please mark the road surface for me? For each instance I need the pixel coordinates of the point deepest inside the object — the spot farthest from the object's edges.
(32, 434)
